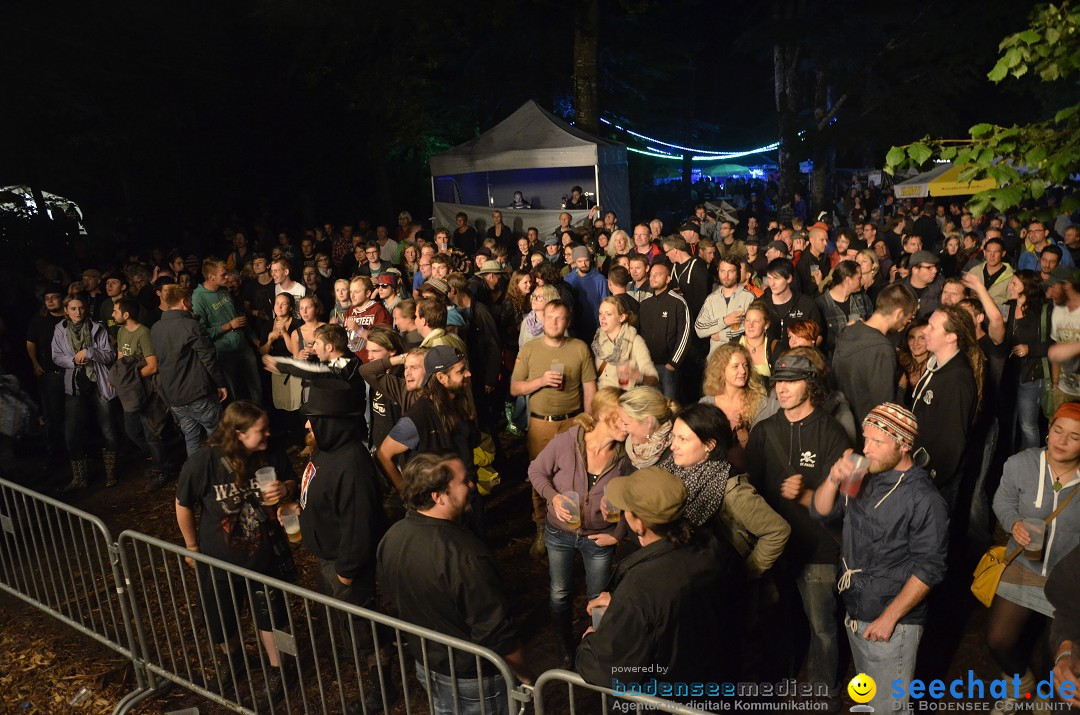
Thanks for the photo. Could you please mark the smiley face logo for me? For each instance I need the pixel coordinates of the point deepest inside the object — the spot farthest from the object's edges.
(862, 688)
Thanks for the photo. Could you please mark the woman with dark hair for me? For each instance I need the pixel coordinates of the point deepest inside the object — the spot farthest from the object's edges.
(83, 350)
(727, 506)
(842, 302)
(239, 525)
(913, 354)
(282, 341)
(1027, 334)
(672, 575)
(580, 461)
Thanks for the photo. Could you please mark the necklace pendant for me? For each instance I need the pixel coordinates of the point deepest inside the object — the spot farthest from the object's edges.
(1057, 486)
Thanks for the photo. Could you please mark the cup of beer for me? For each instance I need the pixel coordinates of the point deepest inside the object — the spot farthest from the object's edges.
(571, 501)
(853, 482)
(290, 519)
(612, 513)
(559, 368)
(1036, 528)
(264, 478)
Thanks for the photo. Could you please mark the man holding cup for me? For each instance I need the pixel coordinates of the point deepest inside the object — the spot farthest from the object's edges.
(559, 376)
(894, 546)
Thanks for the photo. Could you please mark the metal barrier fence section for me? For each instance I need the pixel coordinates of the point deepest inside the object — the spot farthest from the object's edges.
(292, 650)
(63, 561)
(582, 697)
(250, 642)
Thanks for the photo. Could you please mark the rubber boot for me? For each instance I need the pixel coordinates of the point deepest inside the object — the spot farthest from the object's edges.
(537, 550)
(1013, 699)
(564, 639)
(78, 475)
(108, 457)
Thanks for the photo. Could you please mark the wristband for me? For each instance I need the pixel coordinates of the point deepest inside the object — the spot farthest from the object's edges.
(1062, 654)
(191, 547)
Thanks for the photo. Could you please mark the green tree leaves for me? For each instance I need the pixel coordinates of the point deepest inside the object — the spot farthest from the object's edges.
(1024, 160)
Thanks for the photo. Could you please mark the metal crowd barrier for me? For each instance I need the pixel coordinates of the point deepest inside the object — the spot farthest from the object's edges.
(142, 597)
(609, 700)
(63, 561)
(328, 667)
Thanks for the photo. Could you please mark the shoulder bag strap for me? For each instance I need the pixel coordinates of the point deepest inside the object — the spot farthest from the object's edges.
(1053, 515)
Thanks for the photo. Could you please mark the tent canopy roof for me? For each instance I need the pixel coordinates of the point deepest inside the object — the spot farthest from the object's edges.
(940, 181)
(530, 138)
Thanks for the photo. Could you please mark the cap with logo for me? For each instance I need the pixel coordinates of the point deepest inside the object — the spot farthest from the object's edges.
(440, 359)
(792, 368)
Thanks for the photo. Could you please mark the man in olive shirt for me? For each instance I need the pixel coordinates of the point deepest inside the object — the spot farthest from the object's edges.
(558, 375)
(145, 424)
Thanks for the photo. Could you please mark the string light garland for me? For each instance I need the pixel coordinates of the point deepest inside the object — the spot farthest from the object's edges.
(699, 154)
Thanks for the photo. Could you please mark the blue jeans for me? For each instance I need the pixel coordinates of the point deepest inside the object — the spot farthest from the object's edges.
(1028, 408)
(669, 385)
(561, 547)
(468, 690)
(885, 662)
(194, 417)
(241, 374)
(77, 421)
(817, 587)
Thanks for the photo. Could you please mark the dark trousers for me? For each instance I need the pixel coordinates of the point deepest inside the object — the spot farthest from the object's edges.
(77, 420)
(352, 629)
(51, 392)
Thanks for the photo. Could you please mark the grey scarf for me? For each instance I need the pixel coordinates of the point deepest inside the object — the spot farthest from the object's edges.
(79, 335)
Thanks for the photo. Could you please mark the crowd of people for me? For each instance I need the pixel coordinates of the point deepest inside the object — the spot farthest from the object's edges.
(747, 428)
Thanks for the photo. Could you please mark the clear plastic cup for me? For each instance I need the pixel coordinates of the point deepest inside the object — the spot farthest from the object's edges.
(1036, 529)
(851, 485)
(264, 478)
(559, 368)
(572, 503)
(597, 614)
(612, 513)
(290, 519)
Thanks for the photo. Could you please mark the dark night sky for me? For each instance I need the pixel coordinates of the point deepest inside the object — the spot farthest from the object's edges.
(169, 117)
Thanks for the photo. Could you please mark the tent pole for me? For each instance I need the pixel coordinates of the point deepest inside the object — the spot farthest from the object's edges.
(596, 174)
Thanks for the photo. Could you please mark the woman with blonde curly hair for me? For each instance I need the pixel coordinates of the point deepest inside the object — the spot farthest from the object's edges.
(739, 391)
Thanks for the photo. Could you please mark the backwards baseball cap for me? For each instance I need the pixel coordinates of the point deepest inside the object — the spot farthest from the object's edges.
(437, 285)
(778, 246)
(923, 257)
(792, 368)
(387, 279)
(440, 359)
(895, 421)
(653, 494)
(690, 226)
(1061, 274)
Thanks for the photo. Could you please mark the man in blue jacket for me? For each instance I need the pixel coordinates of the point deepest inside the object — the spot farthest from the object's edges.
(893, 552)
(589, 289)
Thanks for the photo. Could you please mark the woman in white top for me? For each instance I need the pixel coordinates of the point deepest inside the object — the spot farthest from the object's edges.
(622, 358)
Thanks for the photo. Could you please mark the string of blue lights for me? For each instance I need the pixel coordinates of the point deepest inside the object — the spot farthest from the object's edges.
(698, 153)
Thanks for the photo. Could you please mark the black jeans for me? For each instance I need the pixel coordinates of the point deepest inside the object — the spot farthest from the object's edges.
(51, 392)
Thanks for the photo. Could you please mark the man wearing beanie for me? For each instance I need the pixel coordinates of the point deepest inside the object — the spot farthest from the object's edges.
(589, 289)
(893, 550)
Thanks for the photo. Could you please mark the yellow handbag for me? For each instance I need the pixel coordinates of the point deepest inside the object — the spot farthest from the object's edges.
(993, 562)
(988, 572)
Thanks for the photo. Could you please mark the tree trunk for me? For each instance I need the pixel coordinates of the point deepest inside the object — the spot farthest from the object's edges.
(821, 148)
(586, 28)
(785, 85)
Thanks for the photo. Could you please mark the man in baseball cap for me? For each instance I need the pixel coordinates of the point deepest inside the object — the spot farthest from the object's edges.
(788, 456)
(895, 540)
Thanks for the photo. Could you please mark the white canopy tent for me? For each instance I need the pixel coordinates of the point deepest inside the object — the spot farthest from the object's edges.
(534, 152)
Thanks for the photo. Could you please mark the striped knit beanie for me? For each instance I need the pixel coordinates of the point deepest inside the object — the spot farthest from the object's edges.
(895, 421)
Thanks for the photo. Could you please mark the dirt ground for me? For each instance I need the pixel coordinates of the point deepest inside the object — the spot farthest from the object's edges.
(44, 664)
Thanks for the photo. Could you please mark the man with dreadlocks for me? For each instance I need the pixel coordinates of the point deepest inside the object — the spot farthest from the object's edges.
(442, 418)
(946, 398)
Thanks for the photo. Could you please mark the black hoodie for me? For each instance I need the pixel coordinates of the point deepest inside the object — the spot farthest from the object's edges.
(342, 518)
(800, 307)
(778, 449)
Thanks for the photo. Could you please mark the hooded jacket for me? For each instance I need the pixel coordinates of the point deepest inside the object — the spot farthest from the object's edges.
(342, 518)
(896, 528)
(944, 403)
(776, 450)
(865, 369)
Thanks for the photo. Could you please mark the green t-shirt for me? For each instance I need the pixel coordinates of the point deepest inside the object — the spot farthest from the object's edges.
(134, 343)
(535, 358)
